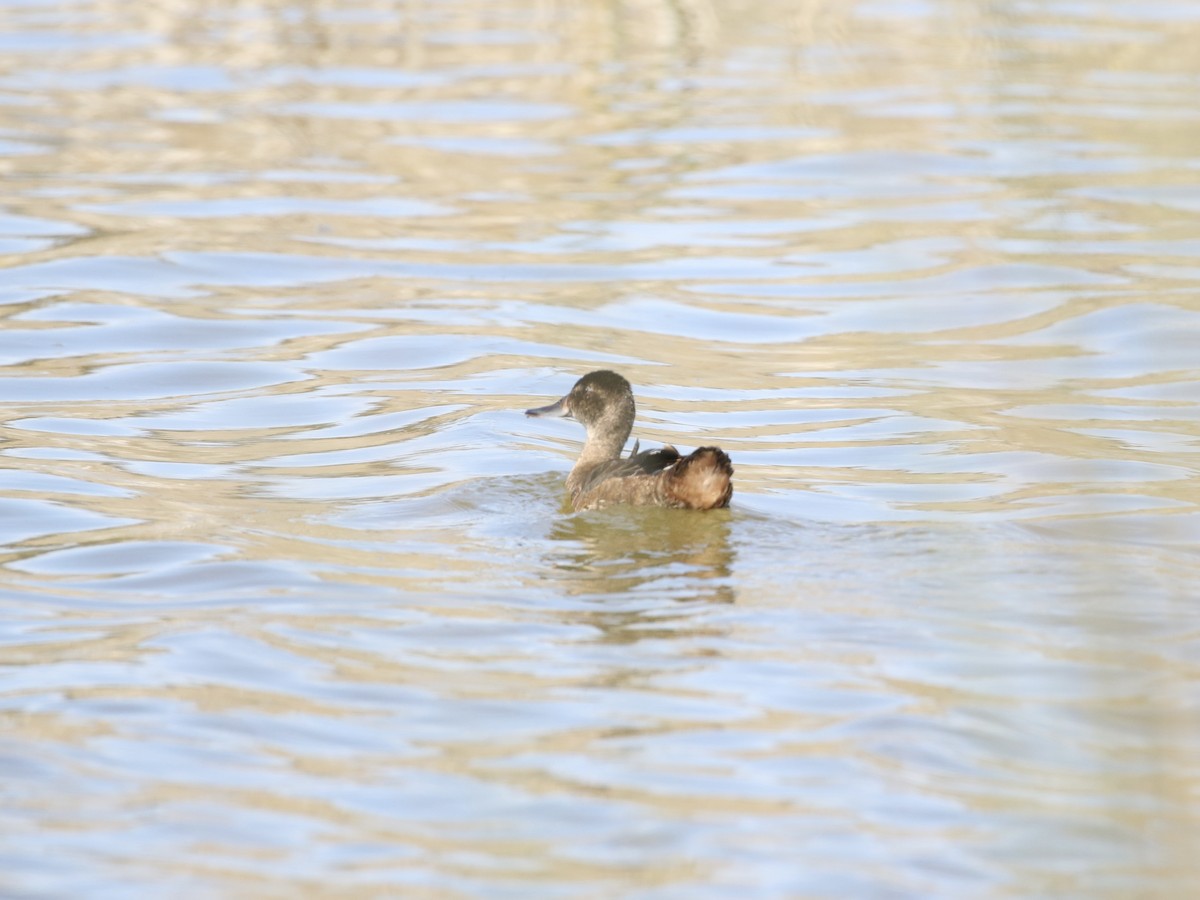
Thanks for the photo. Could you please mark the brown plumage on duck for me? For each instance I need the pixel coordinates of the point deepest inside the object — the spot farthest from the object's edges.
(603, 403)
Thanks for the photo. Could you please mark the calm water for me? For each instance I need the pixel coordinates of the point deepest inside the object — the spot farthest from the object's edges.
(289, 605)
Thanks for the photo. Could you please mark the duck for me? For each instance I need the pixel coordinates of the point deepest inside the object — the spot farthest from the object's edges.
(602, 402)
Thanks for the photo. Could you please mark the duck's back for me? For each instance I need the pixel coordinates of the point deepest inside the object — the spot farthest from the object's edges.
(701, 480)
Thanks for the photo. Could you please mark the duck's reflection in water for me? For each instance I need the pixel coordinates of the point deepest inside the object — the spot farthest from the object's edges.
(626, 553)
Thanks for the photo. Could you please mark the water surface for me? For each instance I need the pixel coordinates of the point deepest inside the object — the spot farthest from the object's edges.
(290, 602)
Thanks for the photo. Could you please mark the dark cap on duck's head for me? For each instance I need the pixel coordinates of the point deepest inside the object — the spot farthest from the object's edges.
(602, 402)
(593, 396)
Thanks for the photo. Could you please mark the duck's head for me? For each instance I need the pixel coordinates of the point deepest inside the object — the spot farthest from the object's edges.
(601, 401)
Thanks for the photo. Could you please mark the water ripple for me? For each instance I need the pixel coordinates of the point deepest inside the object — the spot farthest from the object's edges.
(291, 600)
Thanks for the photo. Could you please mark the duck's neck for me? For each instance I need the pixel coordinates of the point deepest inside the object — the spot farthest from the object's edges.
(604, 442)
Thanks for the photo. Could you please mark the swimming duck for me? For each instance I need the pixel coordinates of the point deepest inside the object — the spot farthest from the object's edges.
(603, 403)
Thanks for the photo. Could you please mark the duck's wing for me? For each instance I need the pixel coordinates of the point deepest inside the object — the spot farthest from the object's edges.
(650, 461)
(647, 462)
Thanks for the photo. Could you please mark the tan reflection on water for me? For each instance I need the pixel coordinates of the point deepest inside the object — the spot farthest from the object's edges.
(291, 604)
(626, 552)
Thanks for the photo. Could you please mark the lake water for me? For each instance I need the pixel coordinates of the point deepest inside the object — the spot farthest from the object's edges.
(289, 601)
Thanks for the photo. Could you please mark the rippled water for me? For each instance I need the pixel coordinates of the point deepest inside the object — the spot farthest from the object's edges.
(290, 602)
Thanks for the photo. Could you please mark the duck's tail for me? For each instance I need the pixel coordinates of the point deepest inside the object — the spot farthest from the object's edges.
(701, 480)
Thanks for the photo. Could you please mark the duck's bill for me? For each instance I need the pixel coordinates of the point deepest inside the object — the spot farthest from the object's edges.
(561, 409)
